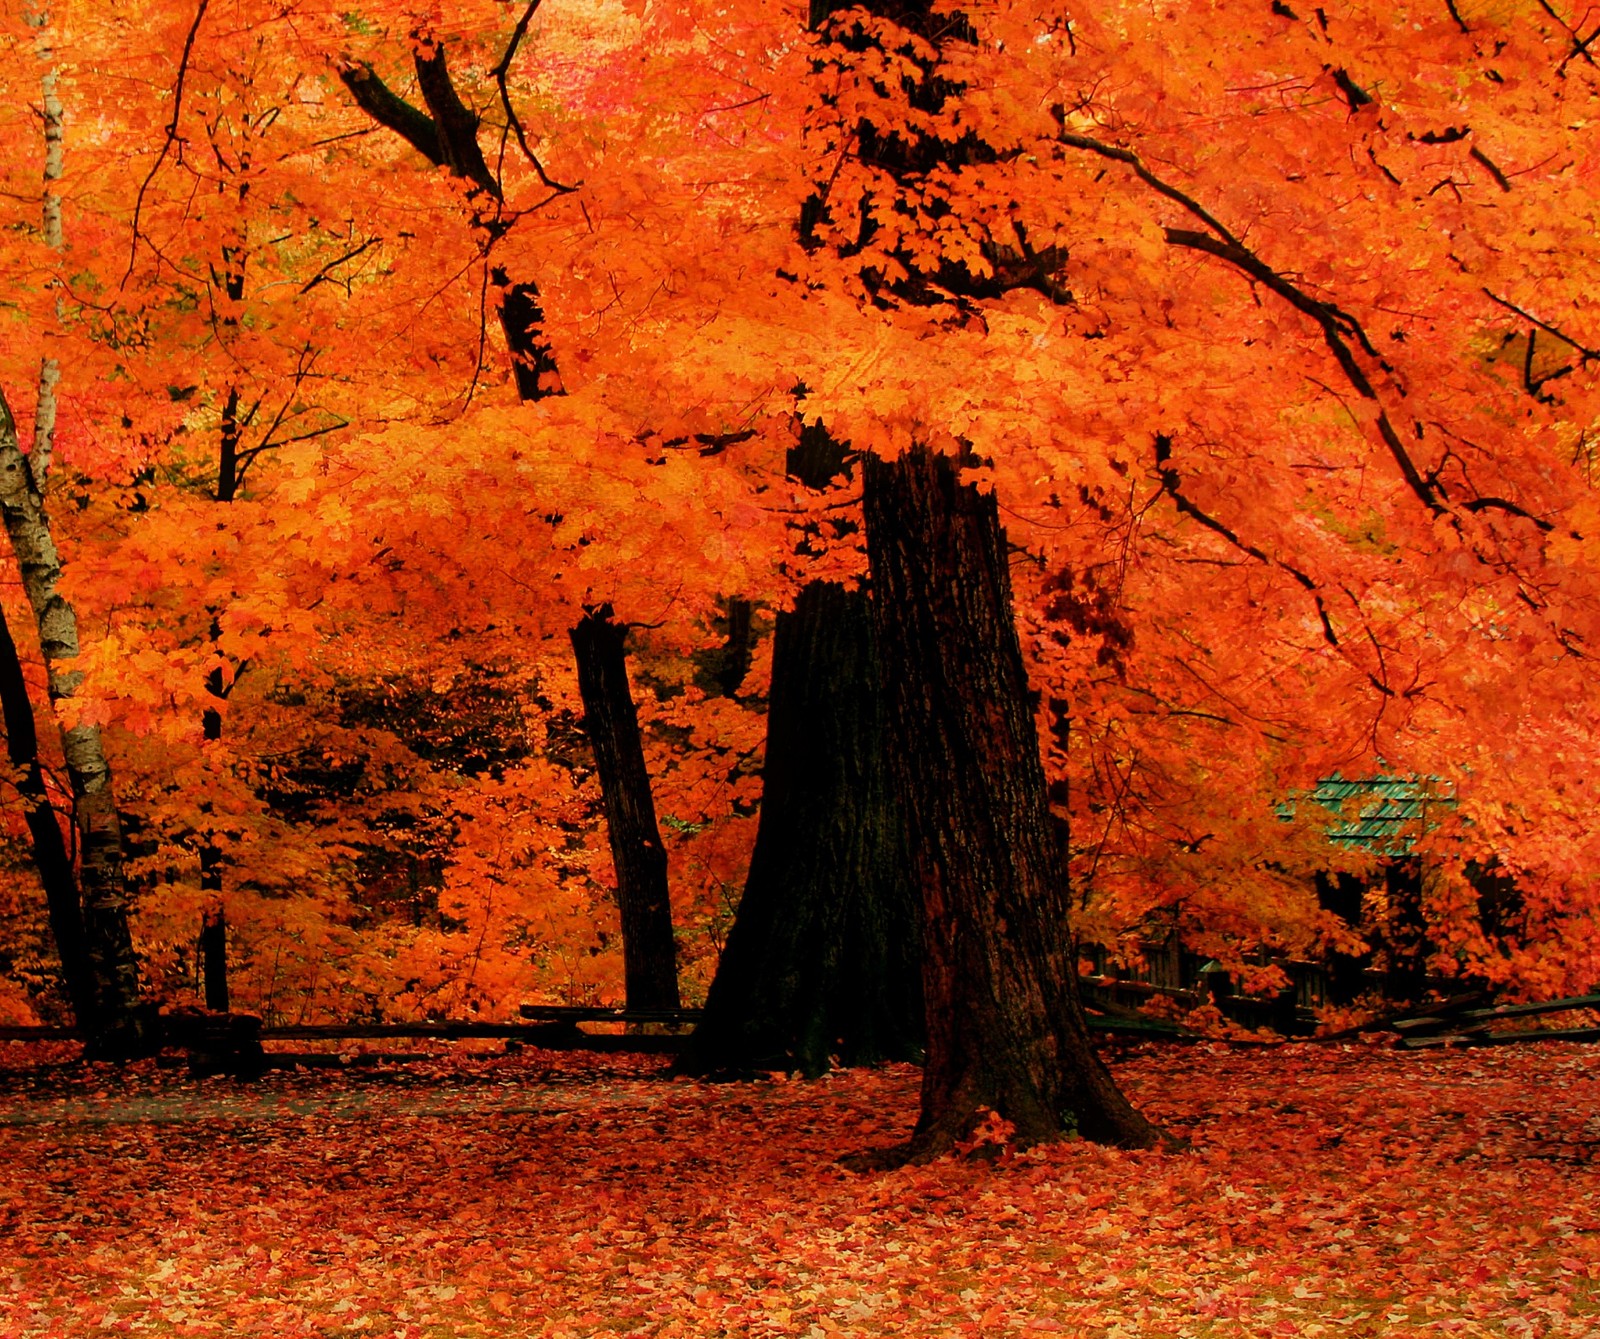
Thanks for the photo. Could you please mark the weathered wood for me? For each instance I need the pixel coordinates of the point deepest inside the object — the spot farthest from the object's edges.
(1483, 1017)
(1437, 1015)
(531, 1032)
(1476, 1038)
(217, 1042)
(578, 1013)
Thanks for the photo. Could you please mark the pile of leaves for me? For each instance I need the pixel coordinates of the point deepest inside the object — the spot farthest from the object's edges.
(1327, 1190)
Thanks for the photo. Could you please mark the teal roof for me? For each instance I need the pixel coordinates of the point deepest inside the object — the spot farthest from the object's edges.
(1380, 813)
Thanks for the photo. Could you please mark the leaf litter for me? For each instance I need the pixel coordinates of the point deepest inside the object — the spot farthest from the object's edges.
(1328, 1191)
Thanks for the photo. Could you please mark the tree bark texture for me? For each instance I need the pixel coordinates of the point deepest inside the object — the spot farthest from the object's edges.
(1005, 1026)
(822, 961)
(50, 853)
(100, 869)
(649, 953)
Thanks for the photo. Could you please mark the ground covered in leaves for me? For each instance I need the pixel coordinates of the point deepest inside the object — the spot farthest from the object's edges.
(1333, 1191)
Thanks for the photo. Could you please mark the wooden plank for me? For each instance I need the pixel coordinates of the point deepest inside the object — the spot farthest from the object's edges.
(1108, 986)
(1530, 1010)
(1443, 1014)
(532, 1032)
(1485, 1038)
(564, 1013)
(1479, 1019)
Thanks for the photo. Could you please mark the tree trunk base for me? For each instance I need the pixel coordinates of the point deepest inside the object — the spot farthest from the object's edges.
(135, 1036)
(1006, 1029)
(953, 1133)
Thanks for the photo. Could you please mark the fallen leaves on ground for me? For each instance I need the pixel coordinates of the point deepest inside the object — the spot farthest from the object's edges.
(1329, 1191)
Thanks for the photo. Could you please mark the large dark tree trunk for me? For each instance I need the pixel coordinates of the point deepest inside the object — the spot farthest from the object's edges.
(50, 854)
(649, 954)
(822, 960)
(1006, 1029)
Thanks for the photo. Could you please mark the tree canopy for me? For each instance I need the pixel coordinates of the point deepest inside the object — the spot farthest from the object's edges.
(1270, 328)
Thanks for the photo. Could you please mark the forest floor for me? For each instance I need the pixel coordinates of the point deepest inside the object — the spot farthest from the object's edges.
(1328, 1191)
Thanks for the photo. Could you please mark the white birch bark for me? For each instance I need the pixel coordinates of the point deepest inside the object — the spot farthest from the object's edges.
(27, 524)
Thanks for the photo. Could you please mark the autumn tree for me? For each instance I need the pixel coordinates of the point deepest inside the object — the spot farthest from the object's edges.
(1368, 523)
(113, 1023)
(1005, 1029)
(446, 134)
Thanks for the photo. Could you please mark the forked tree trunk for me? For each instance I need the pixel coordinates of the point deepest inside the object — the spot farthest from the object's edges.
(447, 135)
(822, 960)
(649, 954)
(50, 854)
(1006, 1029)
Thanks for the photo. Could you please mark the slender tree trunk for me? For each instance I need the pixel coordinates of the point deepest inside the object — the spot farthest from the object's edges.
(116, 1025)
(1006, 1029)
(822, 960)
(649, 954)
(214, 923)
(100, 872)
(214, 957)
(533, 365)
(228, 440)
(50, 854)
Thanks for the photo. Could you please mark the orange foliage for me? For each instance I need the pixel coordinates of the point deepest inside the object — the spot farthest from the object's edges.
(1274, 335)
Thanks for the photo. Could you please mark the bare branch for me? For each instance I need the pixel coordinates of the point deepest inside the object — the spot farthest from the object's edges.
(171, 134)
(321, 275)
(1589, 355)
(1170, 484)
(500, 72)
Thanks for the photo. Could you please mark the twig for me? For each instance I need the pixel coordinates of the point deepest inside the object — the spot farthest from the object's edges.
(500, 72)
(171, 136)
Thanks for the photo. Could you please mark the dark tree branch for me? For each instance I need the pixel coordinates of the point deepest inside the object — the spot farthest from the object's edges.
(500, 72)
(171, 133)
(1510, 508)
(321, 275)
(388, 109)
(1588, 355)
(1171, 483)
(455, 122)
(1490, 167)
(1340, 330)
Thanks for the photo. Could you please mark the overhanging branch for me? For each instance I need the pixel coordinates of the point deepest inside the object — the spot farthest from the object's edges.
(1341, 331)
